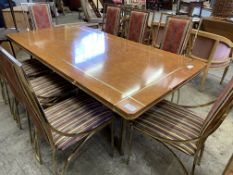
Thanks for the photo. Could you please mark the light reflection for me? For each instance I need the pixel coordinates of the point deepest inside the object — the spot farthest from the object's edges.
(89, 47)
(94, 69)
(131, 91)
(152, 75)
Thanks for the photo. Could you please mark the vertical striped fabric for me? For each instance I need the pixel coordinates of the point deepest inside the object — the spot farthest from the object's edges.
(173, 122)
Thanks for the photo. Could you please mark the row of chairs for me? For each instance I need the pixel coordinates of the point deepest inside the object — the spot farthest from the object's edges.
(173, 34)
(56, 110)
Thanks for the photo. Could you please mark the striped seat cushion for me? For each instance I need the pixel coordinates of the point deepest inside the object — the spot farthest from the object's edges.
(50, 87)
(75, 115)
(171, 121)
(34, 68)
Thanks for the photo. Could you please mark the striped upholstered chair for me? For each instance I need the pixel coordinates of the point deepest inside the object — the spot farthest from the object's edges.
(67, 123)
(182, 129)
(111, 22)
(138, 22)
(216, 53)
(48, 88)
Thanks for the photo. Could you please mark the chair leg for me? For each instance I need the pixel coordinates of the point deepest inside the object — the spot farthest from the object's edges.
(54, 160)
(200, 155)
(75, 153)
(37, 147)
(194, 163)
(112, 138)
(3, 92)
(202, 83)
(17, 114)
(224, 74)
(12, 48)
(30, 128)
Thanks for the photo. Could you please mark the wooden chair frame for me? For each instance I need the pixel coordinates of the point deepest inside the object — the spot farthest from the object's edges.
(218, 39)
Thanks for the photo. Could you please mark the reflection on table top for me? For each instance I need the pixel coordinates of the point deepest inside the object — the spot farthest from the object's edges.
(126, 76)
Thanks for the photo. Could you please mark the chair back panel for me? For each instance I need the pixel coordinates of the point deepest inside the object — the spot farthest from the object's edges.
(220, 54)
(200, 51)
(137, 25)
(112, 20)
(219, 110)
(176, 33)
(41, 16)
(21, 88)
(9, 75)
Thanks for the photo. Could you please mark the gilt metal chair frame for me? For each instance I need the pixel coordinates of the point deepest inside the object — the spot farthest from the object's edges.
(210, 125)
(45, 128)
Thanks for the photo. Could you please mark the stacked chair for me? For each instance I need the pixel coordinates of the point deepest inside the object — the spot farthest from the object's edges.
(69, 121)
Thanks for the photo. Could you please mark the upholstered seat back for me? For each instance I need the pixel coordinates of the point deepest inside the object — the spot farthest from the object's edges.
(41, 16)
(112, 20)
(137, 25)
(176, 33)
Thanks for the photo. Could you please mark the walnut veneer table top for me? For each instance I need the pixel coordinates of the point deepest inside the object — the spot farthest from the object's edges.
(127, 77)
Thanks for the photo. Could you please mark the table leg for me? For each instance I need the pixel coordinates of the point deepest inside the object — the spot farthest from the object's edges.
(123, 136)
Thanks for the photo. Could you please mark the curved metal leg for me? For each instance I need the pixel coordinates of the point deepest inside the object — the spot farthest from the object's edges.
(201, 154)
(224, 74)
(194, 162)
(75, 153)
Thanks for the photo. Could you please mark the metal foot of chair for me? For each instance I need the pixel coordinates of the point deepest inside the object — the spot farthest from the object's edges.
(224, 74)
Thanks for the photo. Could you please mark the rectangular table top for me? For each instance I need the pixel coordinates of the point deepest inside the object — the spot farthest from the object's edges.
(126, 76)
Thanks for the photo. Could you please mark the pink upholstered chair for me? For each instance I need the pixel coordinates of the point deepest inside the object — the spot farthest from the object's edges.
(41, 16)
(216, 51)
(176, 34)
(112, 22)
(137, 24)
(182, 129)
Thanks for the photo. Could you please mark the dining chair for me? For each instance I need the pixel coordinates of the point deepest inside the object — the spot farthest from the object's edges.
(138, 22)
(216, 53)
(111, 21)
(41, 15)
(68, 124)
(177, 127)
(176, 33)
(49, 88)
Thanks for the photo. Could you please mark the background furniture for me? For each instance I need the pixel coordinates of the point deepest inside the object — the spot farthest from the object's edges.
(22, 19)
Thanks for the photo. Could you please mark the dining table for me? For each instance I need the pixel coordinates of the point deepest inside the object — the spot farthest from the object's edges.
(127, 77)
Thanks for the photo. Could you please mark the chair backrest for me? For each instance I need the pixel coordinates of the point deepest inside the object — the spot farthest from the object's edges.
(7, 71)
(219, 110)
(27, 97)
(41, 15)
(137, 25)
(216, 50)
(176, 34)
(112, 22)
